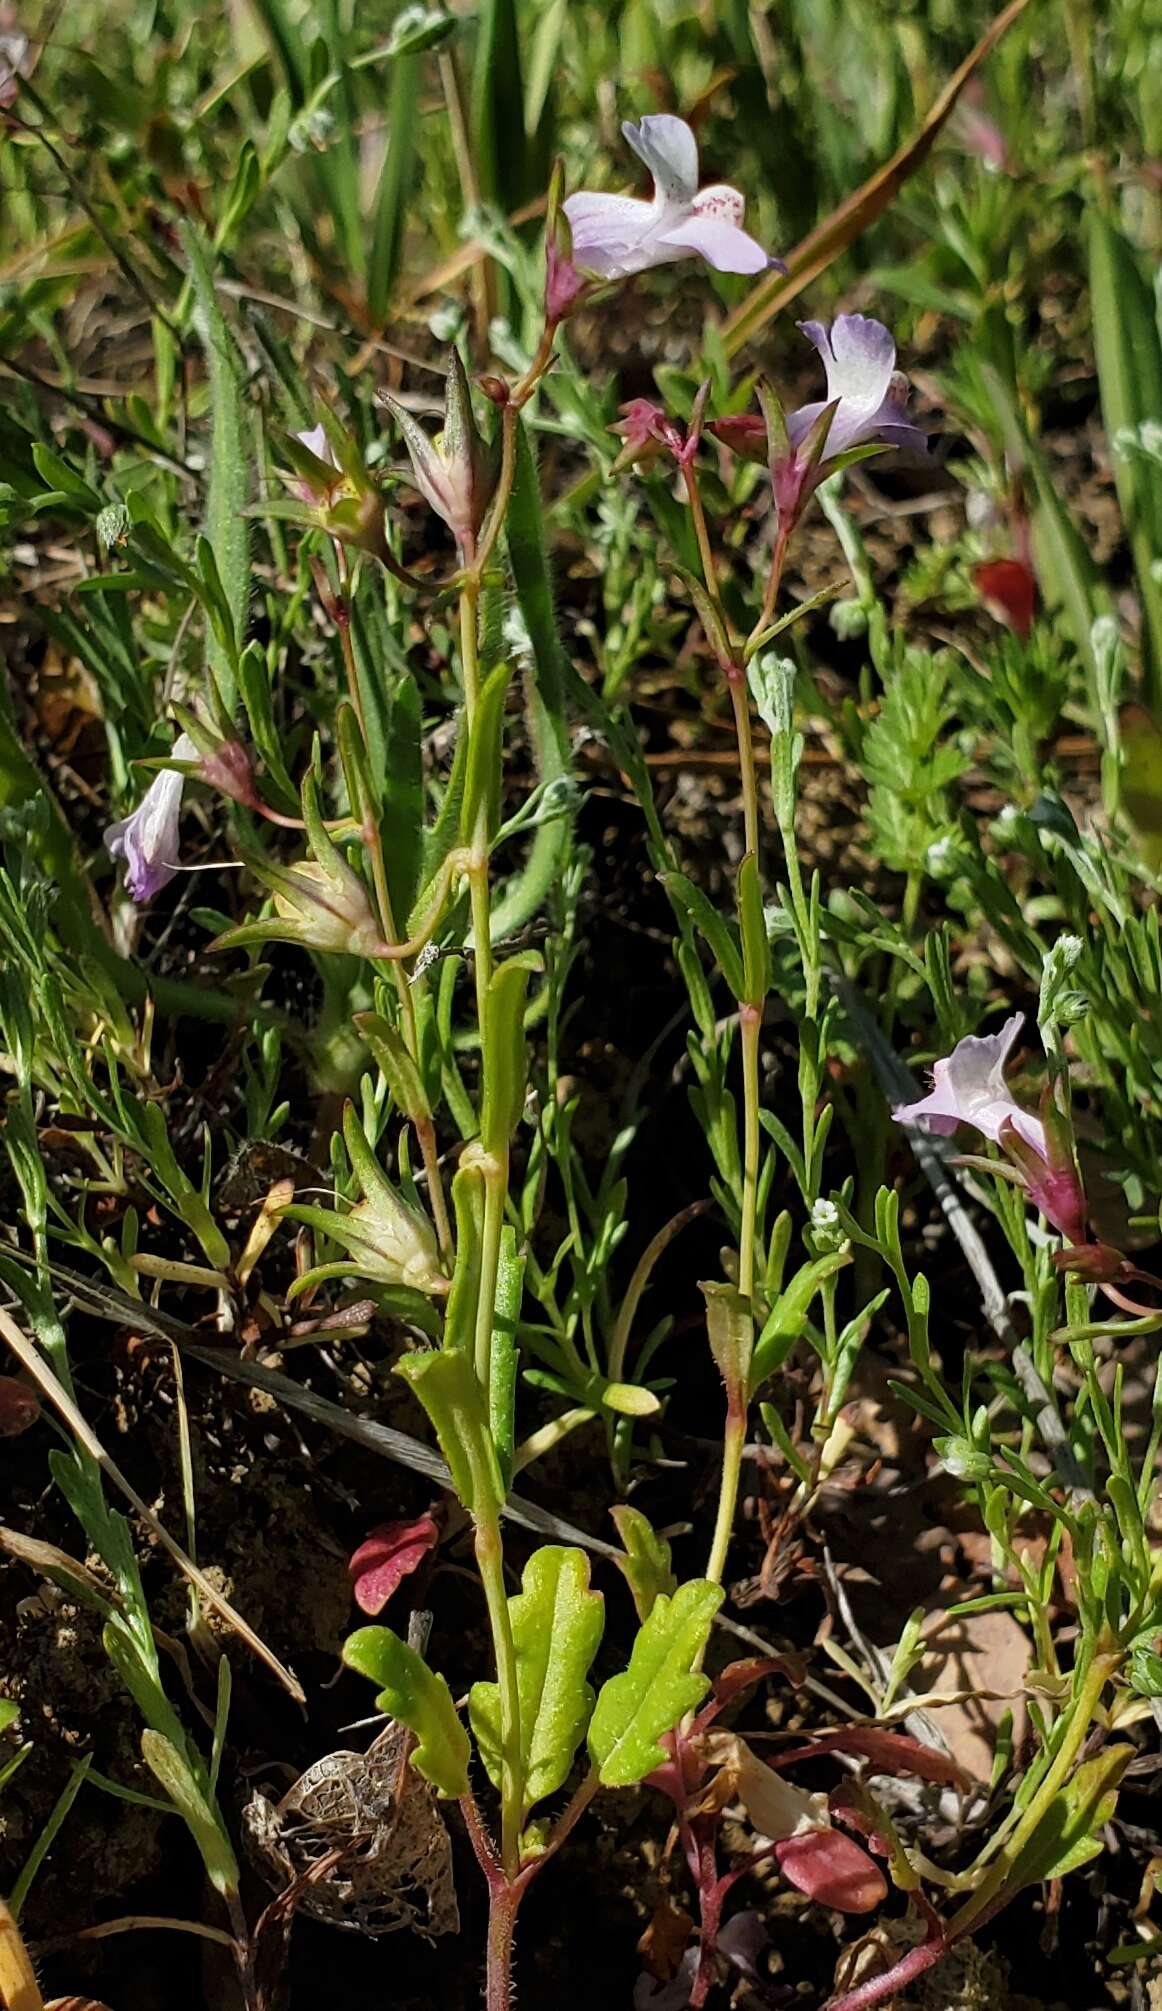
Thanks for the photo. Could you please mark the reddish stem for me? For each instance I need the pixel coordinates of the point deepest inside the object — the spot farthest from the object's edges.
(877, 1988)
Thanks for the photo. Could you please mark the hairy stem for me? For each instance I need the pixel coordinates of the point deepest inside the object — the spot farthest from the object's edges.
(734, 1440)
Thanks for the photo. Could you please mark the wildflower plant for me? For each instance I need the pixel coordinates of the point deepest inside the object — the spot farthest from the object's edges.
(430, 889)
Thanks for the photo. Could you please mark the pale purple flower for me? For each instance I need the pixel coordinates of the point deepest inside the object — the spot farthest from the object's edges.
(14, 63)
(969, 1087)
(859, 357)
(147, 840)
(616, 236)
(315, 440)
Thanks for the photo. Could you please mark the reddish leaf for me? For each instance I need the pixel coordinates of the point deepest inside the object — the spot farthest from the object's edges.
(832, 1869)
(1009, 591)
(19, 1407)
(889, 1753)
(390, 1552)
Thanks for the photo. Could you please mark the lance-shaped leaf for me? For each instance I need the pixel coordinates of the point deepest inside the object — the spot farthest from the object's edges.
(506, 1050)
(556, 1627)
(788, 1316)
(1069, 1832)
(636, 1709)
(416, 1697)
(196, 1807)
(446, 1385)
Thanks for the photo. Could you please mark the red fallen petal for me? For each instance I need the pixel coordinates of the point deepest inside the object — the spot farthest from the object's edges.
(1009, 591)
(19, 1407)
(832, 1869)
(388, 1555)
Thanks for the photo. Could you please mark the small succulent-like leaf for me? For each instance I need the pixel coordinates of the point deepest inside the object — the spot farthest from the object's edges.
(556, 1627)
(646, 1563)
(417, 1697)
(636, 1709)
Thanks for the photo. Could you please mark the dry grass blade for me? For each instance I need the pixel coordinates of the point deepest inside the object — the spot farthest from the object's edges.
(59, 1398)
(860, 209)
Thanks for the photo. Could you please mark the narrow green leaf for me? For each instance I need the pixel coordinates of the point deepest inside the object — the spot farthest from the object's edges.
(506, 1048)
(635, 1710)
(395, 185)
(524, 532)
(227, 527)
(557, 1623)
(1069, 1832)
(788, 1316)
(417, 1697)
(756, 948)
(1128, 351)
(715, 931)
(505, 1353)
(172, 1771)
(482, 781)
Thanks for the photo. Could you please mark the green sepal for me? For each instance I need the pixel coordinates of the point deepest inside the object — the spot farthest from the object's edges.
(417, 1697)
(446, 1384)
(557, 1623)
(635, 1710)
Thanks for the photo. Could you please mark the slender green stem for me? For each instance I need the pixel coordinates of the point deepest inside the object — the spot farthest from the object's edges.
(490, 1564)
(771, 593)
(740, 703)
(734, 1439)
(701, 532)
(750, 1021)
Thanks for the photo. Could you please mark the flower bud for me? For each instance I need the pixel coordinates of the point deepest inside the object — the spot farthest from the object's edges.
(455, 473)
(328, 478)
(319, 902)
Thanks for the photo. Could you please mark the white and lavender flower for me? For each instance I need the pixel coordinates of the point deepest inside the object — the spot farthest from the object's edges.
(969, 1087)
(869, 394)
(616, 236)
(147, 840)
